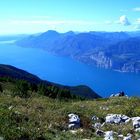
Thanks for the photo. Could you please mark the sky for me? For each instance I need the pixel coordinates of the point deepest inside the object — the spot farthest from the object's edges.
(33, 16)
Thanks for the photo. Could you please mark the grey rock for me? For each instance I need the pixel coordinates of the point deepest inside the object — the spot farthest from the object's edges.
(116, 118)
(74, 121)
(128, 137)
(100, 132)
(136, 122)
(1, 138)
(97, 125)
(95, 118)
(108, 135)
(119, 94)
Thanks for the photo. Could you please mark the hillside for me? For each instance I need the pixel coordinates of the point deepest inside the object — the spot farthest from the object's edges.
(13, 72)
(43, 118)
(110, 50)
(33, 109)
(18, 74)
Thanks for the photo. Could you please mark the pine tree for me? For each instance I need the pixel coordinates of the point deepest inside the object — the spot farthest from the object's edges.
(21, 89)
(1, 89)
(42, 89)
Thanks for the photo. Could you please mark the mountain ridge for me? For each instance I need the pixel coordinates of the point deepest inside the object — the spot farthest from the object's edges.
(16, 73)
(93, 48)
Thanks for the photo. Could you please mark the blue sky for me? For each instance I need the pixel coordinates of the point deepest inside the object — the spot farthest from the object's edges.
(31, 16)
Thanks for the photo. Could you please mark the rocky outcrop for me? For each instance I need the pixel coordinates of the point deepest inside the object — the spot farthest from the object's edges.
(116, 119)
(136, 123)
(131, 67)
(98, 59)
(111, 119)
(103, 60)
(119, 94)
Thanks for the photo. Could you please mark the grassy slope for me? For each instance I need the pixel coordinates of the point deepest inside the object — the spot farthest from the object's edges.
(40, 117)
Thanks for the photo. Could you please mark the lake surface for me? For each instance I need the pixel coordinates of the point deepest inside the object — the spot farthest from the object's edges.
(68, 71)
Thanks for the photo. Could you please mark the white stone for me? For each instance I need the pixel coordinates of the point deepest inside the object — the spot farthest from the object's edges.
(17, 112)
(73, 131)
(125, 118)
(74, 121)
(94, 118)
(136, 123)
(97, 125)
(128, 137)
(120, 136)
(76, 131)
(108, 135)
(73, 118)
(10, 107)
(112, 95)
(71, 125)
(135, 118)
(113, 118)
(104, 108)
(117, 118)
(117, 95)
(103, 124)
(1, 138)
(137, 129)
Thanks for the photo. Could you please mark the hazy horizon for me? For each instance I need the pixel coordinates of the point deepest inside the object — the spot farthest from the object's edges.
(30, 16)
(77, 32)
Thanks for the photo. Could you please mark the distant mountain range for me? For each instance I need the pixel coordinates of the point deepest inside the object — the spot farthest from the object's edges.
(111, 50)
(15, 73)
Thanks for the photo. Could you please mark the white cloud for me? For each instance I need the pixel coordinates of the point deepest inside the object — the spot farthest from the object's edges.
(124, 20)
(137, 9)
(41, 23)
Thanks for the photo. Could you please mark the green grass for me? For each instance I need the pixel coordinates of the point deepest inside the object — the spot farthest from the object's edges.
(40, 117)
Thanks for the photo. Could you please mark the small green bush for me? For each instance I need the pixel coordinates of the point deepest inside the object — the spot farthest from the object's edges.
(21, 89)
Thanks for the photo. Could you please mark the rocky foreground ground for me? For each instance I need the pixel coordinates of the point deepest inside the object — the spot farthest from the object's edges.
(110, 119)
(42, 118)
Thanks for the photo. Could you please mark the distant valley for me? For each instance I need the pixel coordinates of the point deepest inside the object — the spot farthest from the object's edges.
(118, 51)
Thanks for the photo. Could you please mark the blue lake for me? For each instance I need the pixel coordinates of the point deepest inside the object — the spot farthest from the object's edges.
(68, 71)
